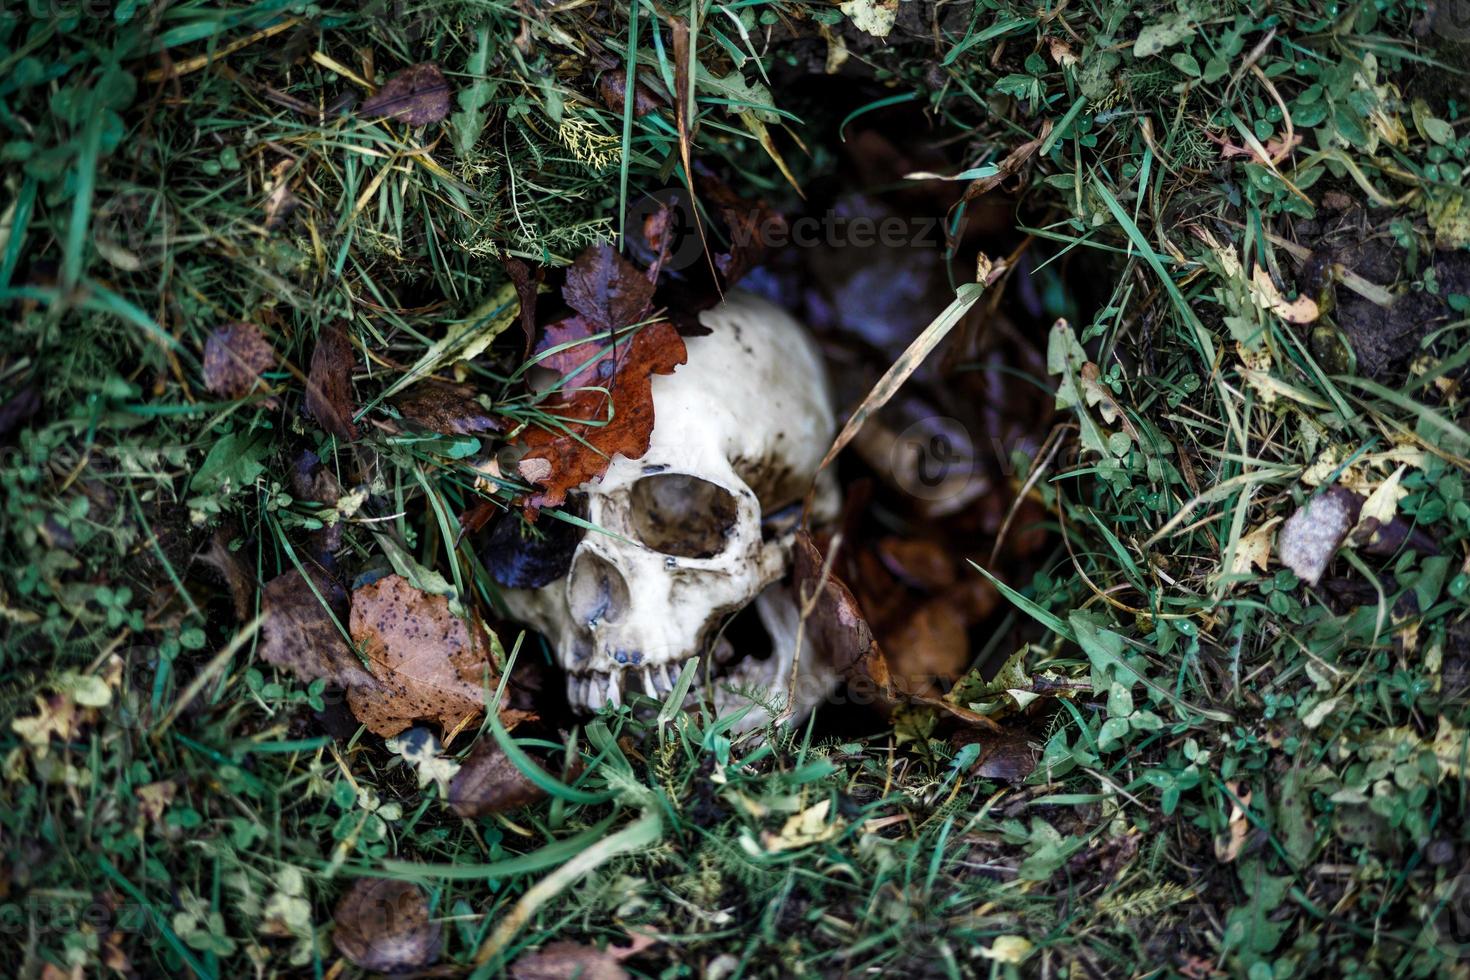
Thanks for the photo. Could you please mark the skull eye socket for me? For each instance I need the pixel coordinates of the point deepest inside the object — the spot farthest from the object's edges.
(682, 515)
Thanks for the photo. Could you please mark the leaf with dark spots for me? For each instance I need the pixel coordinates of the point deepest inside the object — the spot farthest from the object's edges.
(383, 925)
(524, 556)
(417, 95)
(235, 357)
(299, 634)
(489, 782)
(559, 461)
(449, 409)
(607, 289)
(329, 396)
(840, 634)
(426, 662)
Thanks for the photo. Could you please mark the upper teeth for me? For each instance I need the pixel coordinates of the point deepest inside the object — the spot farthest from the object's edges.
(588, 692)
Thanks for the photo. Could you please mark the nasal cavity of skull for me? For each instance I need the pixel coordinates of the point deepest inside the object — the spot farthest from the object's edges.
(681, 515)
(597, 592)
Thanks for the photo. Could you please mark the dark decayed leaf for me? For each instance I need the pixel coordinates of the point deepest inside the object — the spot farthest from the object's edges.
(235, 356)
(526, 283)
(751, 225)
(522, 556)
(840, 634)
(417, 95)
(612, 88)
(329, 383)
(232, 570)
(1006, 756)
(19, 407)
(299, 635)
(607, 289)
(489, 782)
(426, 662)
(383, 925)
(450, 409)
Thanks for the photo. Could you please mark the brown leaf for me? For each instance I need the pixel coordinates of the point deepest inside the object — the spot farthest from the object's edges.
(561, 960)
(525, 283)
(929, 649)
(310, 480)
(426, 661)
(489, 782)
(450, 409)
(607, 289)
(236, 576)
(299, 635)
(752, 226)
(612, 88)
(1010, 167)
(417, 95)
(329, 384)
(839, 632)
(235, 357)
(383, 925)
(919, 563)
(1004, 755)
(560, 461)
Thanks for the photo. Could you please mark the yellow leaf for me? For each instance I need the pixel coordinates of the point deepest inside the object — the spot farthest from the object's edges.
(810, 826)
(876, 17)
(1008, 949)
(1254, 549)
(1383, 502)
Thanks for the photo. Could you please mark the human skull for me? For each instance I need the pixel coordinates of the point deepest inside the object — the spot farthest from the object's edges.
(701, 526)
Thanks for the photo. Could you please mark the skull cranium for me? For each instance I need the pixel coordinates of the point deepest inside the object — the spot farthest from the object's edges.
(701, 526)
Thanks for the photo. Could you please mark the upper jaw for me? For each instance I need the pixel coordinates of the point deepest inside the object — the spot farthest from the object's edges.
(589, 690)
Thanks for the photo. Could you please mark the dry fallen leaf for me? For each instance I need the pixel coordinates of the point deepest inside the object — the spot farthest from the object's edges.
(383, 925)
(489, 782)
(1303, 309)
(929, 648)
(329, 383)
(298, 633)
(238, 579)
(607, 289)
(608, 293)
(839, 632)
(564, 960)
(235, 357)
(427, 663)
(612, 88)
(449, 409)
(1254, 549)
(1228, 845)
(417, 95)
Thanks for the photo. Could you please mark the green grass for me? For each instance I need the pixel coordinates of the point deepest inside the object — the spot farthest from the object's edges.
(1246, 775)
